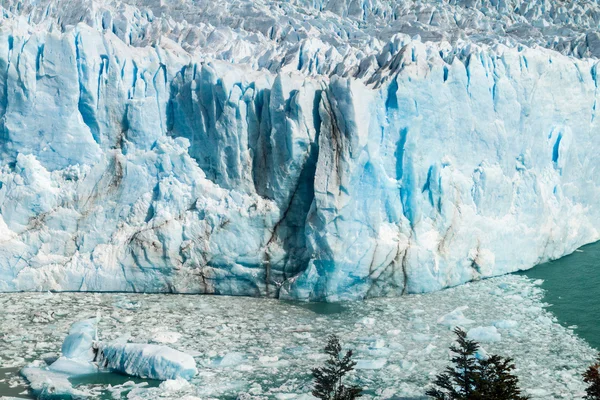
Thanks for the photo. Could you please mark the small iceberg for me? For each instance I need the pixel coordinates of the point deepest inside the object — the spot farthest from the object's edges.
(84, 354)
(150, 361)
(484, 334)
(455, 318)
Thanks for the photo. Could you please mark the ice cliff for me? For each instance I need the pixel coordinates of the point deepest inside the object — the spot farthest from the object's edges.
(315, 150)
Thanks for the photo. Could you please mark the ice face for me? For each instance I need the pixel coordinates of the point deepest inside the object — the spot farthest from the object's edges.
(79, 343)
(323, 159)
(266, 348)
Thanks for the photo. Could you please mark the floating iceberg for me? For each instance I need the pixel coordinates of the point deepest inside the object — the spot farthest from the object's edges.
(456, 318)
(484, 334)
(47, 384)
(79, 344)
(147, 361)
(52, 382)
(323, 150)
(83, 355)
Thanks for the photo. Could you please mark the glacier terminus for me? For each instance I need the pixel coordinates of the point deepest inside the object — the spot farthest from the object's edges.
(311, 149)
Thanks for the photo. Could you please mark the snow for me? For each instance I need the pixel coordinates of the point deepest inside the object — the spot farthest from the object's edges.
(329, 150)
(265, 347)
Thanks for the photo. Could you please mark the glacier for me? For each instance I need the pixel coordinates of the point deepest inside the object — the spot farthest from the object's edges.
(313, 150)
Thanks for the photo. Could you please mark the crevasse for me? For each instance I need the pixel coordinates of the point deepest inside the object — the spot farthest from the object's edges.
(151, 169)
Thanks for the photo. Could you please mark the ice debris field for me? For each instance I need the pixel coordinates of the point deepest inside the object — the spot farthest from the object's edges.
(84, 355)
(313, 150)
(264, 349)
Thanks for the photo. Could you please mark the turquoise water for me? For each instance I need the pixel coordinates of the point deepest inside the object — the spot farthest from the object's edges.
(572, 286)
(6, 389)
(104, 379)
(320, 308)
(113, 379)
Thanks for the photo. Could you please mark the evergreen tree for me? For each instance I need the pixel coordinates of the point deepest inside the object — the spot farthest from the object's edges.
(495, 380)
(458, 382)
(329, 378)
(473, 379)
(592, 378)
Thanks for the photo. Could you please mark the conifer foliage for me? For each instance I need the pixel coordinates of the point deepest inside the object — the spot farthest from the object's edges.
(592, 378)
(458, 382)
(473, 379)
(329, 384)
(495, 380)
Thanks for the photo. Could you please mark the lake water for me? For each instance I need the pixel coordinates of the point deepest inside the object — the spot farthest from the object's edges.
(572, 287)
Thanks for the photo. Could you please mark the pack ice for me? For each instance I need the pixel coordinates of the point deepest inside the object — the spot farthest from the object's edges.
(314, 150)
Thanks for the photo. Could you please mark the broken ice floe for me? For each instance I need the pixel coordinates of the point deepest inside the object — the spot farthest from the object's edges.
(147, 361)
(83, 354)
(266, 348)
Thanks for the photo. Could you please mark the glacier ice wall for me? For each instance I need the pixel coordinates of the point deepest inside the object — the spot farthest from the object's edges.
(147, 167)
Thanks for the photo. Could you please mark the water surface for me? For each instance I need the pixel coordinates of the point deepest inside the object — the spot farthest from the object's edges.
(572, 286)
(12, 390)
